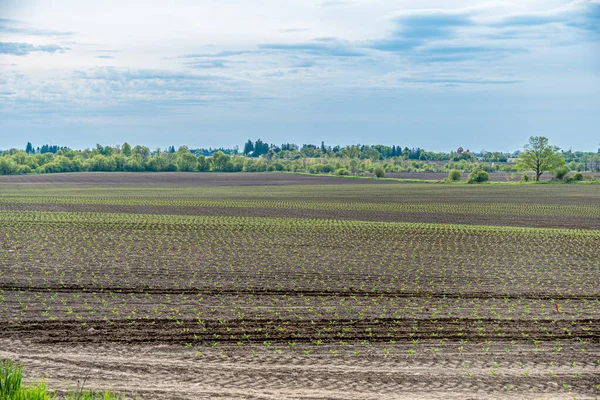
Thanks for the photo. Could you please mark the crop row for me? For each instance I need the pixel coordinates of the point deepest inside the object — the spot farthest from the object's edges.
(457, 208)
(98, 250)
(184, 222)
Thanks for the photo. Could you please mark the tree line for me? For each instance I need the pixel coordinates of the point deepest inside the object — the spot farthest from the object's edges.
(259, 156)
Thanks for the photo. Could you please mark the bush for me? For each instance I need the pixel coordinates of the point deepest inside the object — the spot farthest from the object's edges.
(524, 178)
(454, 175)
(328, 168)
(560, 173)
(478, 176)
(7, 166)
(342, 172)
(575, 178)
(379, 172)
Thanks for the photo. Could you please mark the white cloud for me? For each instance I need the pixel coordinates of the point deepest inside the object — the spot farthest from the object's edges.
(282, 53)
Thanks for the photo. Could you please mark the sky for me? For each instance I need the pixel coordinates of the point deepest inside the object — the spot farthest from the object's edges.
(435, 74)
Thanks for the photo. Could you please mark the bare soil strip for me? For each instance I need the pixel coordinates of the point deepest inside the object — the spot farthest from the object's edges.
(170, 373)
(184, 178)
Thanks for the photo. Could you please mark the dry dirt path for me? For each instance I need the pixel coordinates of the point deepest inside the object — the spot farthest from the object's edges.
(169, 373)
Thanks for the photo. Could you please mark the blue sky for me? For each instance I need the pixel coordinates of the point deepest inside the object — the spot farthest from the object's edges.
(429, 73)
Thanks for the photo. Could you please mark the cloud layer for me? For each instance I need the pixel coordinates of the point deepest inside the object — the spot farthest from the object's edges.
(336, 56)
(22, 49)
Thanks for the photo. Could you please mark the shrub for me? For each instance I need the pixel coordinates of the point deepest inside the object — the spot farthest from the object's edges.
(478, 176)
(575, 178)
(328, 168)
(524, 178)
(560, 173)
(342, 172)
(454, 175)
(379, 172)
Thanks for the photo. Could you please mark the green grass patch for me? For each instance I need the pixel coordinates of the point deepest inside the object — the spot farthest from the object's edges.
(12, 387)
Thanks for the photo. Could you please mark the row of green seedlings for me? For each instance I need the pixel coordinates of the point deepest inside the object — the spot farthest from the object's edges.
(463, 207)
(403, 274)
(285, 309)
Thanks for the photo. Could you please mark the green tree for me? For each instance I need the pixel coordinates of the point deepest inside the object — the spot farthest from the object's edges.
(142, 151)
(203, 164)
(186, 161)
(126, 149)
(132, 164)
(219, 162)
(8, 166)
(539, 156)
(29, 148)
(248, 147)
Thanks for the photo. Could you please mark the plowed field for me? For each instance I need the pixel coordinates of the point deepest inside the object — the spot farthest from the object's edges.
(281, 287)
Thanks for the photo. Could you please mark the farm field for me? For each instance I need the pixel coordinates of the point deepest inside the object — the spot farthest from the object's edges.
(270, 286)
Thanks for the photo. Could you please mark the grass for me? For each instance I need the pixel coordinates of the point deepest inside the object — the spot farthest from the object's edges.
(12, 388)
(446, 181)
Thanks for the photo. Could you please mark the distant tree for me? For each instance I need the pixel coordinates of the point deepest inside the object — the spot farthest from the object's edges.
(7, 166)
(539, 156)
(374, 155)
(126, 149)
(248, 147)
(29, 148)
(351, 151)
(102, 150)
(101, 163)
(203, 164)
(142, 151)
(186, 162)
(260, 148)
(406, 153)
(323, 148)
(132, 164)
(219, 162)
